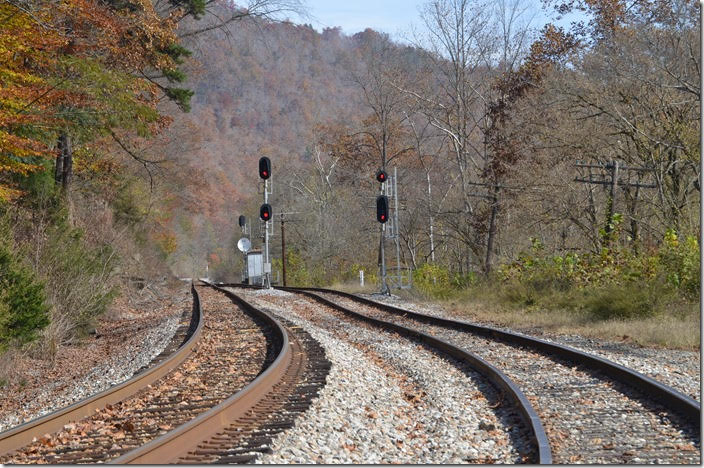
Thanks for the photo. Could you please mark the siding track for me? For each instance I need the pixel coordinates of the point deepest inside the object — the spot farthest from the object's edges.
(174, 354)
(594, 411)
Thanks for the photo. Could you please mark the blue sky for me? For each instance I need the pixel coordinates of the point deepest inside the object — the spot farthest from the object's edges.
(391, 16)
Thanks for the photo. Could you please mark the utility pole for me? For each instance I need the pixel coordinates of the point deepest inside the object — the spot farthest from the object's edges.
(492, 229)
(283, 250)
(615, 170)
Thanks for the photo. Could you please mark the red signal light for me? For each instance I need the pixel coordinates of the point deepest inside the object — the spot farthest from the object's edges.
(382, 208)
(265, 212)
(381, 176)
(264, 168)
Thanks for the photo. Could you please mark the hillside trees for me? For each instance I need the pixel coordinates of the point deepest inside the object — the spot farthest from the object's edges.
(72, 75)
(88, 175)
(626, 97)
(470, 45)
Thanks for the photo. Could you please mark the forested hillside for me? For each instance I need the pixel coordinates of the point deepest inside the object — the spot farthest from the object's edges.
(260, 90)
(559, 165)
(91, 162)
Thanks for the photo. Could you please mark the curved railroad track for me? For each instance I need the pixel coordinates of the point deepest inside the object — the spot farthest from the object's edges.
(540, 452)
(244, 378)
(593, 410)
(178, 349)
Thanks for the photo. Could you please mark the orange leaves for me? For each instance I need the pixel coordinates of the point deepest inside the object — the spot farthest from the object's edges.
(74, 64)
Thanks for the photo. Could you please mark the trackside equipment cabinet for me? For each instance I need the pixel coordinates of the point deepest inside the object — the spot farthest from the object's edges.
(254, 269)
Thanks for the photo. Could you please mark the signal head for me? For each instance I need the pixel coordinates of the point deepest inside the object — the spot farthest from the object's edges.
(264, 168)
(381, 176)
(382, 208)
(265, 212)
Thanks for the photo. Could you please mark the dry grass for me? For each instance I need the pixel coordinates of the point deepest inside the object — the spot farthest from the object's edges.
(680, 330)
(674, 329)
(355, 288)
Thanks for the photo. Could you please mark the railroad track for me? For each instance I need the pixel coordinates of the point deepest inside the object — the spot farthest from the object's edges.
(539, 451)
(238, 380)
(593, 410)
(174, 354)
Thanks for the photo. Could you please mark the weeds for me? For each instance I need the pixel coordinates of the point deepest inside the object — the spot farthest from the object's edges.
(78, 283)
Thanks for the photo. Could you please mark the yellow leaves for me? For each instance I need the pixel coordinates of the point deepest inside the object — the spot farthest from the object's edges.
(83, 78)
(9, 194)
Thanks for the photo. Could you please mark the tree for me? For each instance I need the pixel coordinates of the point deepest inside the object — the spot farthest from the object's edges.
(471, 44)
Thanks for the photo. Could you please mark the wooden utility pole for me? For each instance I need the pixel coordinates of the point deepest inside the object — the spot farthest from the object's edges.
(614, 170)
(492, 229)
(493, 199)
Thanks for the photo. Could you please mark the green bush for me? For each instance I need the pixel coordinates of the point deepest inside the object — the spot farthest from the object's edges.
(615, 283)
(78, 279)
(436, 281)
(679, 262)
(299, 273)
(633, 300)
(23, 310)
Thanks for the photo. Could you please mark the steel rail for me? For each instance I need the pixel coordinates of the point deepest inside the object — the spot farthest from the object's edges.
(667, 396)
(185, 438)
(19, 436)
(498, 378)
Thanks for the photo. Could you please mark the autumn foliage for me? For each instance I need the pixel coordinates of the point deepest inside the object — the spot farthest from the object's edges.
(84, 68)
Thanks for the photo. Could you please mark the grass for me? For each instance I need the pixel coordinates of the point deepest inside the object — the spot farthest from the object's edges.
(675, 327)
(678, 330)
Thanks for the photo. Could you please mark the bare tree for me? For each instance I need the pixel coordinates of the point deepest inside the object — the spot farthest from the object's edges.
(471, 43)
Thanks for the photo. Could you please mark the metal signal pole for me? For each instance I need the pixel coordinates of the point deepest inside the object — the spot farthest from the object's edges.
(283, 250)
(266, 281)
(396, 228)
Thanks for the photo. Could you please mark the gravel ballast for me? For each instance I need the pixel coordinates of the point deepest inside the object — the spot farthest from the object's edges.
(678, 369)
(122, 347)
(588, 417)
(389, 400)
(231, 351)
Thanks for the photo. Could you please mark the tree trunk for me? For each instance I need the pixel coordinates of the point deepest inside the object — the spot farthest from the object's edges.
(492, 230)
(63, 171)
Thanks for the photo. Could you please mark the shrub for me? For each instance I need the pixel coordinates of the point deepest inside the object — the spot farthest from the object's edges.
(633, 300)
(78, 280)
(23, 311)
(680, 264)
(434, 281)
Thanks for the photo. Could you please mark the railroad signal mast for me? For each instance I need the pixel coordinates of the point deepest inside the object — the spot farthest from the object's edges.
(265, 214)
(382, 216)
